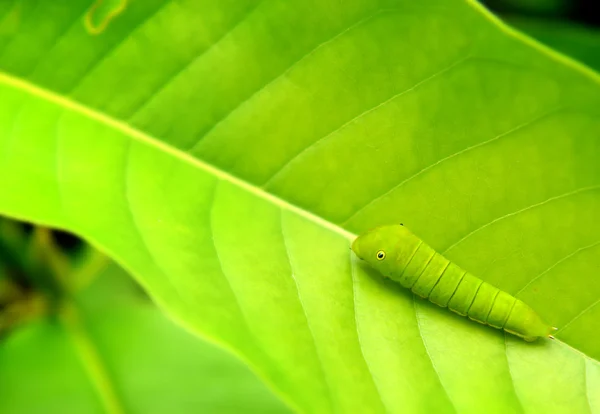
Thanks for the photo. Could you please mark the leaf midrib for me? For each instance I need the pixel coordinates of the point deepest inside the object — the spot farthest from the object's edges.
(69, 104)
(134, 133)
(75, 107)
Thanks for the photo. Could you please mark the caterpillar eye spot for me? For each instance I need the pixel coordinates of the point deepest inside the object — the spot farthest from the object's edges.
(380, 255)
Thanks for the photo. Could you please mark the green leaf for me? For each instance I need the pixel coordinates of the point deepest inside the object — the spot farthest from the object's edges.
(577, 41)
(533, 7)
(118, 354)
(226, 152)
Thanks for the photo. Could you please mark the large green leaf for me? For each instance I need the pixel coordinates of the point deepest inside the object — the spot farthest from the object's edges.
(117, 354)
(304, 123)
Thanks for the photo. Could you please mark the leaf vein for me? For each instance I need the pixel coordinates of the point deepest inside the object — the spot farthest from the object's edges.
(579, 315)
(514, 213)
(567, 257)
(358, 332)
(510, 374)
(22, 23)
(585, 385)
(312, 335)
(420, 331)
(442, 160)
(137, 135)
(221, 267)
(284, 73)
(67, 29)
(108, 52)
(170, 79)
(364, 113)
(93, 363)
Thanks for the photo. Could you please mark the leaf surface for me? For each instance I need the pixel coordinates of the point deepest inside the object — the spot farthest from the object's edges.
(227, 152)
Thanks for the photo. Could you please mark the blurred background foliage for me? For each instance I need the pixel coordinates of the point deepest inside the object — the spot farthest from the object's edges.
(77, 332)
(569, 26)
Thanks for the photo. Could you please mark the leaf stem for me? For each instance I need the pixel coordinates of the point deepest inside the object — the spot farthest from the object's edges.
(71, 319)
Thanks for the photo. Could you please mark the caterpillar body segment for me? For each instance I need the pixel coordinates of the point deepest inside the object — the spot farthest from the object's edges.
(408, 277)
(447, 285)
(401, 256)
(465, 294)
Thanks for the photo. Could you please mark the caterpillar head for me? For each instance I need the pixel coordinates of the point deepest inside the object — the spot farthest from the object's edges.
(382, 246)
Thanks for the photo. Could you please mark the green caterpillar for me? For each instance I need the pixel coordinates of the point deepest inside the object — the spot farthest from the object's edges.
(397, 253)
